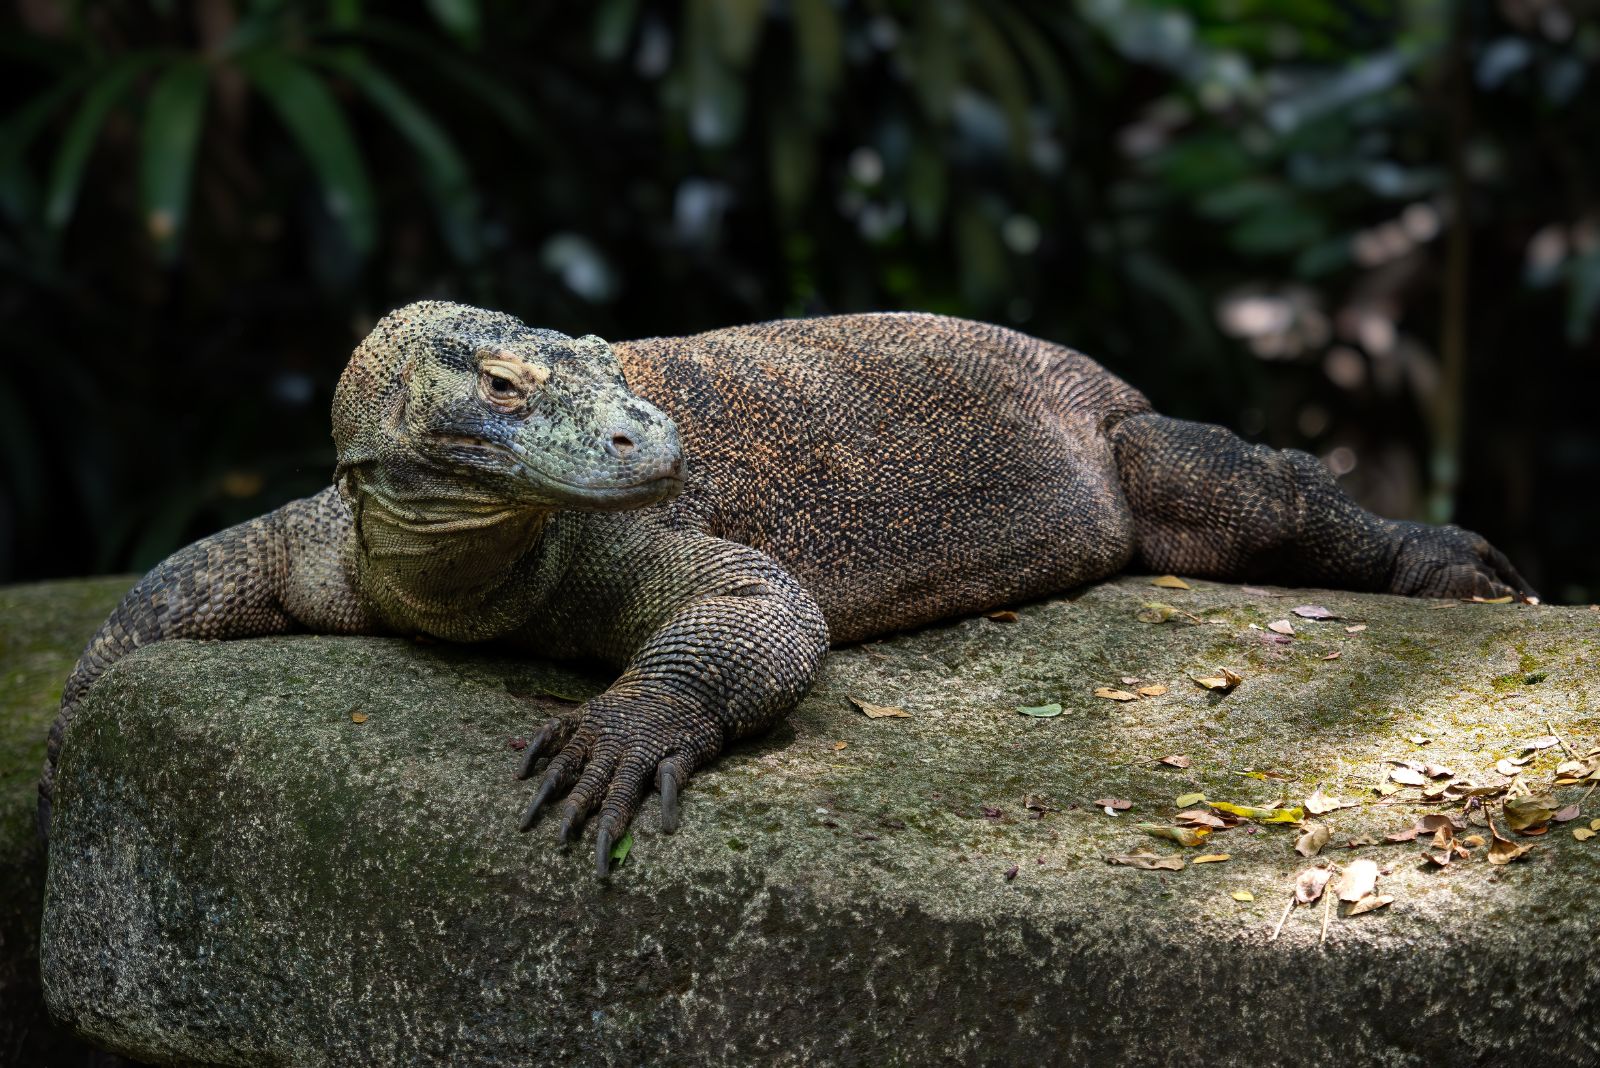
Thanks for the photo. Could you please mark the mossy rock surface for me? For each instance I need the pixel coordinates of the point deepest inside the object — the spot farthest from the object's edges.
(42, 629)
(242, 873)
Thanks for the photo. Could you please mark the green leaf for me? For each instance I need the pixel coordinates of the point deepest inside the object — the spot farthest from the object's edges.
(315, 121)
(460, 17)
(1040, 711)
(443, 168)
(172, 121)
(613, 27)
(620, 851)
(67, 173)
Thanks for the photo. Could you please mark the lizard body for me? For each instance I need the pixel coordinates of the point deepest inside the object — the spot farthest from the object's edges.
(707, 513)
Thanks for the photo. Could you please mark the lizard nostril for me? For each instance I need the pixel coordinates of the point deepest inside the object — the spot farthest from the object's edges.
(621, 444)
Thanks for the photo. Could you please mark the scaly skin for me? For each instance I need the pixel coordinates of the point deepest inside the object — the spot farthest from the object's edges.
(834, 479)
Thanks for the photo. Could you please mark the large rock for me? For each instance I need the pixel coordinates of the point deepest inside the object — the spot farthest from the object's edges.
(42, 630)
(242, 873)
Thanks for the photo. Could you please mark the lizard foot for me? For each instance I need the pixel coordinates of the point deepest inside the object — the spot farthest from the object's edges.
(1452, 562)
(607, 763)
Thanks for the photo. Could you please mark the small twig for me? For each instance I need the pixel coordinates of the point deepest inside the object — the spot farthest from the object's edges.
(1564, 746)
(1278, 930)
(1327, 911)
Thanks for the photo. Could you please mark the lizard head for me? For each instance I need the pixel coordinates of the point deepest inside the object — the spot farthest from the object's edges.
(446, 401)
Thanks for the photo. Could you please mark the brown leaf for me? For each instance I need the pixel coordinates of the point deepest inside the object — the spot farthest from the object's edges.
(839, 745)
(1308, 884)
(1155, 690)
(1195, 817)
(1224, 682)
(1433, 821)
(1332, 656)
(1441, 860)
(1170, 582)
(358, 717)
(1473, 841)
(1504, 851)
(1116, 803)
(1314, 611)
(1212, 858)
(1407, 835)
(1115, 695)
(1003, 616)
(1565, 813)
(1529, 812)
(879, 711)
(1357, 629)
(1148, 862)
(1176, 760)
(1367, 904)
(1359, 879)
(1281, 626)
(1311, 840)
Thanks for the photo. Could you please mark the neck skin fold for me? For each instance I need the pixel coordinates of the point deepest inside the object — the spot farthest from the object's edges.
(457, 566)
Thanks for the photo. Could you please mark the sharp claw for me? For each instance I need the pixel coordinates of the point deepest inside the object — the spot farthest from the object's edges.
(602, 853)
(536, 746)
(669, 803)
(565, 833)
(546, 788)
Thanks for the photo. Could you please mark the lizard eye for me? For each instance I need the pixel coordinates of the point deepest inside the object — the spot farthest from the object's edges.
(501, 387)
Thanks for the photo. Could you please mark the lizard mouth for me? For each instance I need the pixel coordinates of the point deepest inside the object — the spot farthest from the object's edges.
(601, 495)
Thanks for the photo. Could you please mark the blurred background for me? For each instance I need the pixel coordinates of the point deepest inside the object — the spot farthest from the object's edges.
(1369, 230)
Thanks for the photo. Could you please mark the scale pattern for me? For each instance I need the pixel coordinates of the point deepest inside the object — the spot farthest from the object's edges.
(708, 513)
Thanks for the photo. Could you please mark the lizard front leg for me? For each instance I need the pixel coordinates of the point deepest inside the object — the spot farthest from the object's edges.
(1206, 503)
(280, 572)
(726, 641)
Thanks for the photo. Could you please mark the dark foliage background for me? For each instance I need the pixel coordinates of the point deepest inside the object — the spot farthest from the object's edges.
(1369, 230)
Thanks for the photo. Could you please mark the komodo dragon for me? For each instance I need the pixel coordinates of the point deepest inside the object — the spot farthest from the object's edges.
(708, 513)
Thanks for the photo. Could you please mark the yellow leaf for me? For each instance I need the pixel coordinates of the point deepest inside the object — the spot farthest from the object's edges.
(1170, 582)
(1212, 858)
(1152, 691)
(1004, 616)
(839, 745)
(1185, 836)
(1583, 834)
(1242, 895)
(1224, 682)
(879, 711)
(1261, 815)
(358, 717)
(1115, 695)
(1155, 612)
(1185, 800)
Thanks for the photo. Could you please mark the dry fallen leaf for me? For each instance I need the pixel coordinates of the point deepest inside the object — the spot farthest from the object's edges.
(1195, 817)
(1309, 883)
(1115, 695)
(1357, 629)
(1332, 656)
(1170, 582)
(1312, 839)
(1367, 904)
(1155, 612)
(1152, 691)
(1544, 741)
(358, 717)
(1185, 800)
(1115, 804)
(1176, 760)
(1184, 836)
(1360, 878)
(1504, 851)
(1224, 682)
(1240, 895)
(1418, 739)
(1281, 626)
(1314, 611)
(1503, 599)
(879, 711)
(1212, 858)
(1407, 776)
(1003, 616)
(1507, 767)
(1319, 803)
(1038, 711)
(1261, 815)
(839, 745)
(1148, 862)
(1583, 834)
(1566, 814)
(1473, 841)
(1529, 812)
